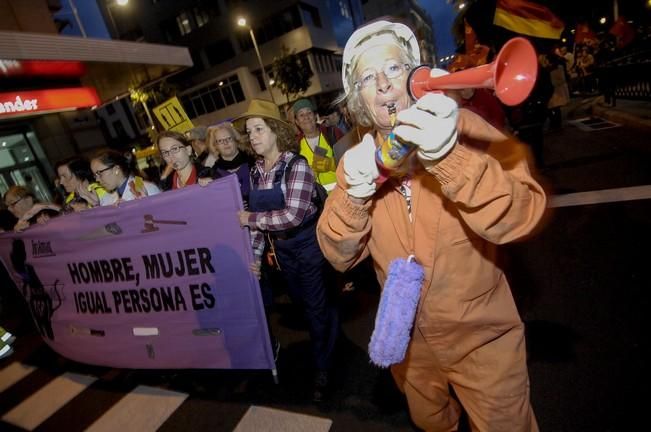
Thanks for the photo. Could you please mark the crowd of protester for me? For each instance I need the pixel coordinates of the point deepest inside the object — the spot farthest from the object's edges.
(322, 215)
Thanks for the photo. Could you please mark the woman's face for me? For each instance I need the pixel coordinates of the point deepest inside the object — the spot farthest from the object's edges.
(109, 177)
(18, 206)
(263, 139)
(67, 179)
(379, 91)
(225, 143)
(177, 155)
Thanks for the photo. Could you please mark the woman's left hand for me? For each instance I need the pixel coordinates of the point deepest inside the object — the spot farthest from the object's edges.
(431, 125)
(244, 218)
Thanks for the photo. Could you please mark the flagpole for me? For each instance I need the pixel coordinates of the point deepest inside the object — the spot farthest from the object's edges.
(615, 10)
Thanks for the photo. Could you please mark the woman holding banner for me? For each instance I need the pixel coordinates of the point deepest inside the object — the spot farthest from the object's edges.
(117, 172)
(77, 179)
(282, 216)
(21, 203)
(232, 157)
(176, 149)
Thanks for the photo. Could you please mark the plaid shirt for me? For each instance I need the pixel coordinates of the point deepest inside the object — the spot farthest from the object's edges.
(298, 187)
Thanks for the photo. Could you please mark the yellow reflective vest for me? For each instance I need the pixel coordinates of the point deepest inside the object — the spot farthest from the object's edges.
(327, 179)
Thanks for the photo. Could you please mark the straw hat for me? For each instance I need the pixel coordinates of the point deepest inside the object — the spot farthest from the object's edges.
(260, 108)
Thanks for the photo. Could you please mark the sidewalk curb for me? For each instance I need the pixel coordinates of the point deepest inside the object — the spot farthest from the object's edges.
(622, 117)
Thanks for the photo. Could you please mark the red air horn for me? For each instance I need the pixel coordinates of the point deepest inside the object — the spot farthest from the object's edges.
(512, 74)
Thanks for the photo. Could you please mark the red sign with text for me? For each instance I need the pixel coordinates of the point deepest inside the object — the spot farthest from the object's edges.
(22, 103)
(41, 68)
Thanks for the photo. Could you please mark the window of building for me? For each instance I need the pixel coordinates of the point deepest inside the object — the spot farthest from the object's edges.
(183, 22)
(272, 27)
(311, 15)
(200, 16)
(213, 97)
(343, 8)
(258, 77)
(191, 19)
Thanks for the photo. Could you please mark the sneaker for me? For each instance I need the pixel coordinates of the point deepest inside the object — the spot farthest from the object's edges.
(6, 337)
(320, 386)
(5, 350)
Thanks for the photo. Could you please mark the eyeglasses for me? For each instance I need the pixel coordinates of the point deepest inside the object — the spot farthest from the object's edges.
(99, 173)
(172, 151)
(16, 202)
(258, 130)
(225, 140)
(391, 69)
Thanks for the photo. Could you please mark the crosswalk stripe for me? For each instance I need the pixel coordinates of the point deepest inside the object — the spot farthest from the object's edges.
(600, 196)
(144, 409)
(13, 373)
(45, 402)
(262, 419)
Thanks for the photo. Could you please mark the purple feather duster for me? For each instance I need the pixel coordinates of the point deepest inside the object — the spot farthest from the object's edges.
(396, 312)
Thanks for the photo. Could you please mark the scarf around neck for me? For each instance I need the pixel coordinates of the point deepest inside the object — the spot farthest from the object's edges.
(234, 164)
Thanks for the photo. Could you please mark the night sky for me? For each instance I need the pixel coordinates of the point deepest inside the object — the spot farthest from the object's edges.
(442, 18)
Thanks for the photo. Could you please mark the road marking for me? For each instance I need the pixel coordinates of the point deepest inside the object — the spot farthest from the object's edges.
(600, 196)
(41, 405)
(14, 373)
(261, 419)
(591, 124)
(144, 409)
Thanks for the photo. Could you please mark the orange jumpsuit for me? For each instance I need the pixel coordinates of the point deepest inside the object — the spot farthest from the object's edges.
(467, 332)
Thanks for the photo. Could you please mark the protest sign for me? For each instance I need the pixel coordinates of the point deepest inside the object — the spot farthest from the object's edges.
(159, 282)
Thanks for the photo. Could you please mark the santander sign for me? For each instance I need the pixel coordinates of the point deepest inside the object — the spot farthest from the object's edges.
(21, 103)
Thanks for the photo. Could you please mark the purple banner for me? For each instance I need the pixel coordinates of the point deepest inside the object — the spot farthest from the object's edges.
(161, 282)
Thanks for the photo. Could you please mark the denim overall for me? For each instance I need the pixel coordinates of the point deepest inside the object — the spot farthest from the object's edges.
(304, 268)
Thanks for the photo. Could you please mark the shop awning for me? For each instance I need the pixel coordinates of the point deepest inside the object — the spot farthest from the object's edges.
(111, 66)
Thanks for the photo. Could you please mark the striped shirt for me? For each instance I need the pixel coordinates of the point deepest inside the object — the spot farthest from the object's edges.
(298, 187)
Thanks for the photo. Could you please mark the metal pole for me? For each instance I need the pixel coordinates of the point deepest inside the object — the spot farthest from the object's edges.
(615, 10)
(113, 24)
(264, 73)
(74, 12)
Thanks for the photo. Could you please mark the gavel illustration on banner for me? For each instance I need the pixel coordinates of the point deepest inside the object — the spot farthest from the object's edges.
(150, 223)
(512, 75)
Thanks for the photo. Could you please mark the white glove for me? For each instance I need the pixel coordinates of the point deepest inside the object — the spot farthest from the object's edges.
(431, 125)
(360, 168)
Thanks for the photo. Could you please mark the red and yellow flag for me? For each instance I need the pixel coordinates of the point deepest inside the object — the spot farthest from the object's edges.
(584, 34)
(528, 18)
(623, 31)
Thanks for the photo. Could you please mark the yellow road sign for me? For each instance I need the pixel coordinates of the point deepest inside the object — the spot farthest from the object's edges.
(172, 116)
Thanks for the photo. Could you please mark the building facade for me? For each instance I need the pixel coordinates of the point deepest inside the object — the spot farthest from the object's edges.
(51, 87)
(226, 72)
(412, 14)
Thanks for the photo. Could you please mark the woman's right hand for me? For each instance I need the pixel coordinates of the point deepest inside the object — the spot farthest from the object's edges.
(360, 169)
(204, 181)
(255, 268)
(21, 225)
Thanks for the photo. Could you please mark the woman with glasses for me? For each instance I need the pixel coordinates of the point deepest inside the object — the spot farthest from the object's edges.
(176, 150)
(233, 158)
(282, 216)
(78, 181)
(116, 172)
(440, 213)
(21, 203)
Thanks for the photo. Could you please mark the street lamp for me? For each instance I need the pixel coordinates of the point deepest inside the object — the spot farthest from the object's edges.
(242, 23)
(109, 5)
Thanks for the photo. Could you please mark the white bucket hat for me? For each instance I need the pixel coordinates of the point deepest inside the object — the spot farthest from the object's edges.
(376, 34)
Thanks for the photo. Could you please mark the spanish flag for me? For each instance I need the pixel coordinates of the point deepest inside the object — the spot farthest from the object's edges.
(623, 31)
(528, 18)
